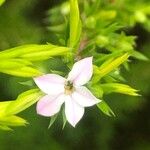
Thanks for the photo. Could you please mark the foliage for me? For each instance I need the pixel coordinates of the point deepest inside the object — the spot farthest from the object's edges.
(18, 61)
(1, 2)
(9, 109)
(99, 30)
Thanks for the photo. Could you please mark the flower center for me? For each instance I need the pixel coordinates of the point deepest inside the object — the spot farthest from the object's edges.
(68, 87)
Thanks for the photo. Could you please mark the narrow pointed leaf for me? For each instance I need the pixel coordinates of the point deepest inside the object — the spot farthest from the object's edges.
(119, 88)
(24, 101)
(24, 49)
(4, 127)
(110, 65)
(25, 71)
(96, 90)
(75, 23)
(46, 54)
(52, 120)
(1, 2)
(28, 83)
(3, 107)
(34, 52)
(12, 121)
(64, 118)
(103, 106)
(13, 63)
(140, 56)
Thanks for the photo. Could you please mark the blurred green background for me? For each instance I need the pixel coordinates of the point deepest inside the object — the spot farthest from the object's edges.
(23, 22)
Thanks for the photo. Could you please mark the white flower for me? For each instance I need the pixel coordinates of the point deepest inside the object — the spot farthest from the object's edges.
(70, 91)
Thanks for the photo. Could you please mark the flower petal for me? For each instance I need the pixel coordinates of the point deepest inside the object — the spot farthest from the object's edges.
(81, 72)
(50, 83)
(84, 97)
(49, 105)
(74, 112)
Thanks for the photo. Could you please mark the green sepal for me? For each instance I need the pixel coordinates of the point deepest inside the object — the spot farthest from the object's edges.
(104, 107)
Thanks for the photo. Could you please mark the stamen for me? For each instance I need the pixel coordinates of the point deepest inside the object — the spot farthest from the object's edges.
(68, 87)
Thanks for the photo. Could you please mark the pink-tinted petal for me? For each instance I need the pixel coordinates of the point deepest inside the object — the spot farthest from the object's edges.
(49, 105)
(84, 97)
(51, 84)
(74, 112)
(81, 72)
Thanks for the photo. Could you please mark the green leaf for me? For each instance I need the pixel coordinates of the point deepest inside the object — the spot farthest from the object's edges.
(10, 108)
(109, 78)
(13, 63)
(24, 49)
(103, 57)
(3, 107)
(119, 88)
(34, 52)
(103, 106)
(140, 56)
(1, 2)
(23, 101)
(57, 72)
(25, 71)
(96, 90)
(53, 119)
(7, 119)
(28, 83)
(18, 67)
(64, 118)
(4, 127)
(112, 64)
(75, 23)
(12, 121)
(43, 55)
